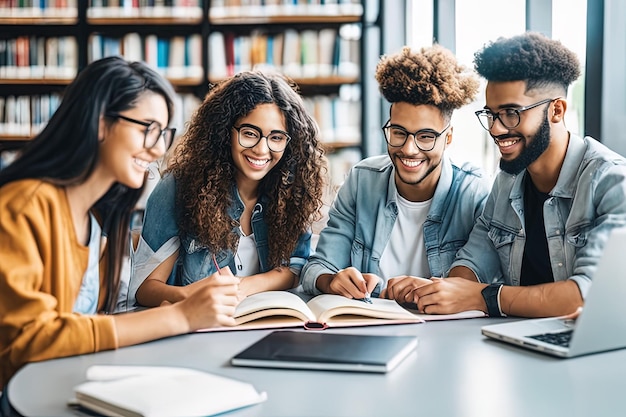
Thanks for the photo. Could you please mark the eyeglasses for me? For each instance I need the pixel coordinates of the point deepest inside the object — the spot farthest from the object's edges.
(250, 135)
(425, 139)
(153, 131)
(509, 117)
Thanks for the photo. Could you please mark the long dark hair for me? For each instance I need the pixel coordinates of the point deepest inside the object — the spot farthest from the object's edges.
(205, 172)
(66, 151)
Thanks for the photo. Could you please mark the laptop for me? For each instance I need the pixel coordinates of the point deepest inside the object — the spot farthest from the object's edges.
(599, 327)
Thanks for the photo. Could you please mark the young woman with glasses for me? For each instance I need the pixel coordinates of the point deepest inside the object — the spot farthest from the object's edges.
(239, 196)
(65, 208)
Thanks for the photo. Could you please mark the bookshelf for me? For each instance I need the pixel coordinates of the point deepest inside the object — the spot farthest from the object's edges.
(192, 43)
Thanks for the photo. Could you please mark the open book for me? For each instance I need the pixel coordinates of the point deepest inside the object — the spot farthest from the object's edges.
(275, 309)
(159, 391)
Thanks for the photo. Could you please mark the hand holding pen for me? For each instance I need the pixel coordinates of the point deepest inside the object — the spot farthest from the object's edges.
(226, 271)
(351, 283)
(211, 301)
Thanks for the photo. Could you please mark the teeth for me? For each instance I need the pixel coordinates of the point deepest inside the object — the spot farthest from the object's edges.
(258, 162)
(142, 163)
(505, 143)
(411, 162)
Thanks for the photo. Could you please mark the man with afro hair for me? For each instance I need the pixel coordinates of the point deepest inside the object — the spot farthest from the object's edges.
(402, 216)
(535, 248)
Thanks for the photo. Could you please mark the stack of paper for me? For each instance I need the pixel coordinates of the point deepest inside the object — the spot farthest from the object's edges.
(155, 391)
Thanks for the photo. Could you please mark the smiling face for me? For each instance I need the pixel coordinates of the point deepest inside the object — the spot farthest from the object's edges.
(254, 163)
(524, 144)
(123, 157)
(417, 171)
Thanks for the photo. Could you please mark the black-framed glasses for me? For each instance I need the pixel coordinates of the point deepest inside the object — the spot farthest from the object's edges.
(250, 135)
(424, 139)
(509, 117)
(152, 133)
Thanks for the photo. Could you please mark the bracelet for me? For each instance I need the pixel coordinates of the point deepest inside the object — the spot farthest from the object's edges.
(491, 296)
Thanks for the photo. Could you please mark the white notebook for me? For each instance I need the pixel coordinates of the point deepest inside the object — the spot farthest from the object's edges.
(155, 391)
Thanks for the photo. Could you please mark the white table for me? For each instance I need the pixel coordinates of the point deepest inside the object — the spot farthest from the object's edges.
(455, 372)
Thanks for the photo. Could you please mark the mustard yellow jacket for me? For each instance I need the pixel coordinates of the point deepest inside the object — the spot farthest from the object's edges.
(41, 269)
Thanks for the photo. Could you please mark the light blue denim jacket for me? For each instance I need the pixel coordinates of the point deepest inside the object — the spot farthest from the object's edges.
(161, 237)
(365, 210)
(588, 201)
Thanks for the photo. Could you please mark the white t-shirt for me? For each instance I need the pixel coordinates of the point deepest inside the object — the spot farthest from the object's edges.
(246, 258)
(405, 253)
(87, 300)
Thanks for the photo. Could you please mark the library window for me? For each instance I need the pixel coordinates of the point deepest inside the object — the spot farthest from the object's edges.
(476, 23)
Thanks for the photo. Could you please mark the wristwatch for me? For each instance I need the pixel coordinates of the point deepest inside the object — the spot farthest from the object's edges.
(490, 294)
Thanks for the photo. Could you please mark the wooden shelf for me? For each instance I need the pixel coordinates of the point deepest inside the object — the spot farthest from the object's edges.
(133, 20)
(284, 19)
(14, 138)
(313, 81)
(36, 81)
(331, 147)
(38, 21)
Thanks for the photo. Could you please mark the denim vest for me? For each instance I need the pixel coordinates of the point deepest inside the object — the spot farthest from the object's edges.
(160, 238)
(587, 202)
(364, 212)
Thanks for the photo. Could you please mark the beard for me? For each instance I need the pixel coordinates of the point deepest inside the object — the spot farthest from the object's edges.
(531, 151)
(414, 181)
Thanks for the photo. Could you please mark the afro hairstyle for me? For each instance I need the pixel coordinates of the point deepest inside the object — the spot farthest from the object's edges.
(431, 76)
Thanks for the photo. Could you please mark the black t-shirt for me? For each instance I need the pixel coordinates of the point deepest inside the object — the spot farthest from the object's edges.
(536, 268)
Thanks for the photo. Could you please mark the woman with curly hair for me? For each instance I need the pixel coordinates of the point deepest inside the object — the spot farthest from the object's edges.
(400, 218)
(244, 185)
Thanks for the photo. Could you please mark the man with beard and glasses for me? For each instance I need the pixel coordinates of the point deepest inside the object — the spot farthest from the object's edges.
(535, 248)
(402, 216)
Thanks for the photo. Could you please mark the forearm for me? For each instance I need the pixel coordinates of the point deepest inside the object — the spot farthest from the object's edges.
(463, 272)
(143, 326)
(275, 280)
(153, 292)
(544, 300)
(323, 283)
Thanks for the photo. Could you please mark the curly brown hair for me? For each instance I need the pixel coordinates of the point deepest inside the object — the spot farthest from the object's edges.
(532, 57)
(205, 172)
(431, 76)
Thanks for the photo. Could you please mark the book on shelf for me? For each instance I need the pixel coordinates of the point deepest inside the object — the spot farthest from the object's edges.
(151, 391)
(327, 351)
(278, 309)
(36, 57)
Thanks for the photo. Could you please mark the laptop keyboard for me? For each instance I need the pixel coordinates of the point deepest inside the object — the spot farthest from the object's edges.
(559, 339)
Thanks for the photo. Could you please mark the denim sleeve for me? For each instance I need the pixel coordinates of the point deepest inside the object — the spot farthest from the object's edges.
(159, 236)
(479, 253)
(333, 248)
(301, 253)
(609, 206)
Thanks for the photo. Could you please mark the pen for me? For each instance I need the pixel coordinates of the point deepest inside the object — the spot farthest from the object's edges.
(367, 299)
(217, 266)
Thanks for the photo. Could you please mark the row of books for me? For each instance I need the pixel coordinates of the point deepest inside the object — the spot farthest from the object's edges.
(266, 8)
(180, 8)
(178, 57)
(338, 116)
(33, 57)
(38, 8)
(25, 116)
(144, 8)
(307, 53)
